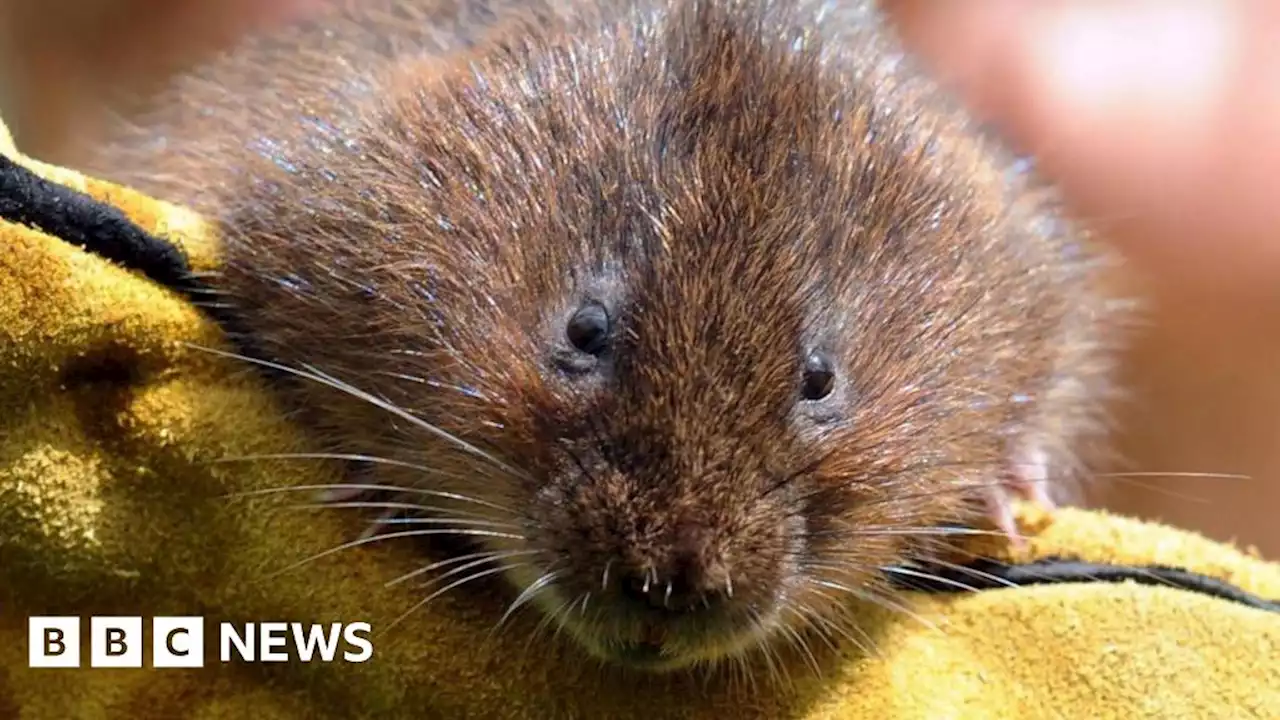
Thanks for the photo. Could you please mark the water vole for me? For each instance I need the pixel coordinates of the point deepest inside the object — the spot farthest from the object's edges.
(692, 315)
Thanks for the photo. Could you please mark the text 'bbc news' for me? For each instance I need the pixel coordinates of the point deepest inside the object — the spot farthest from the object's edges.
(179, 642)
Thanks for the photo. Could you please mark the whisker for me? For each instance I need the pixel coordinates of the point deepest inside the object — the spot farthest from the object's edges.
(348, 457)
(456, 522)
(370, 487)
(777, 667)
(547, 619)
(1197, 475)
(393, 536)
(437, 579)
(880, 601)
(370, 505)
(928, 576)
(416, 421)
(797, 641)
(561, 616)
(869, 648)
(890, 478)
(974, 572)
(315, 375)
(932, 534)
(812, 620)
(909, 531)
(440, 564)
(604, 576)
(471, 518)
(476, 559)
(457, 583)
(1160, 489)
(748, 677)
(526, 595)
(1130, 478)
(424, 381)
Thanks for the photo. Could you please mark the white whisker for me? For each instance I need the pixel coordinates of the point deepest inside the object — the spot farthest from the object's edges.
(460, 522)
(489, 556)
(1198, 475)
(315, 375)
(930, 576)
(974, 572)
(371, 505)
(392, 536)
(879, 600)
(349, 457)
(370, 487)
(447, 588)
(526, 595)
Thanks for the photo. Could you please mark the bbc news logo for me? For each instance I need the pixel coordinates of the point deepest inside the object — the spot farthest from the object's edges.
(178, 642)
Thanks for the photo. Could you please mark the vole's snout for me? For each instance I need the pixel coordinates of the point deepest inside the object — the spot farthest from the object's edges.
(680, 557)
(690, 579)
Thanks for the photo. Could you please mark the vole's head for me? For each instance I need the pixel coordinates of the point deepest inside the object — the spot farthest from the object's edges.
(721, 315)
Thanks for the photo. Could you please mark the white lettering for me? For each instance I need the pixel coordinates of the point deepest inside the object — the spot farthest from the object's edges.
(316, 637)
(273, 636)
(352, 635)
(244, 644)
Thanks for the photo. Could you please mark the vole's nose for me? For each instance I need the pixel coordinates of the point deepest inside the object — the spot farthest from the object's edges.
(680, 592)
(690, 579)
(642, 589)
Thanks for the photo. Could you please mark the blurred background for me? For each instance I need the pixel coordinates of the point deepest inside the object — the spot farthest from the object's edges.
(1158, 118)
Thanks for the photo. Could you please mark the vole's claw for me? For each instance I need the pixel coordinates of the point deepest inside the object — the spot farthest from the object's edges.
(1028, 479)
(1000, 509)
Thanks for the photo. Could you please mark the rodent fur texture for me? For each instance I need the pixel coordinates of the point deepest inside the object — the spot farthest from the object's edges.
(695, 313)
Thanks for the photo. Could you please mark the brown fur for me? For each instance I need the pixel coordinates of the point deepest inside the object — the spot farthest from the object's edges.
(738, 183)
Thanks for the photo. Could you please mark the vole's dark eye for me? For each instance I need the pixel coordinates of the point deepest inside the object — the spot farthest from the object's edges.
(819, 377)
(588, 329)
